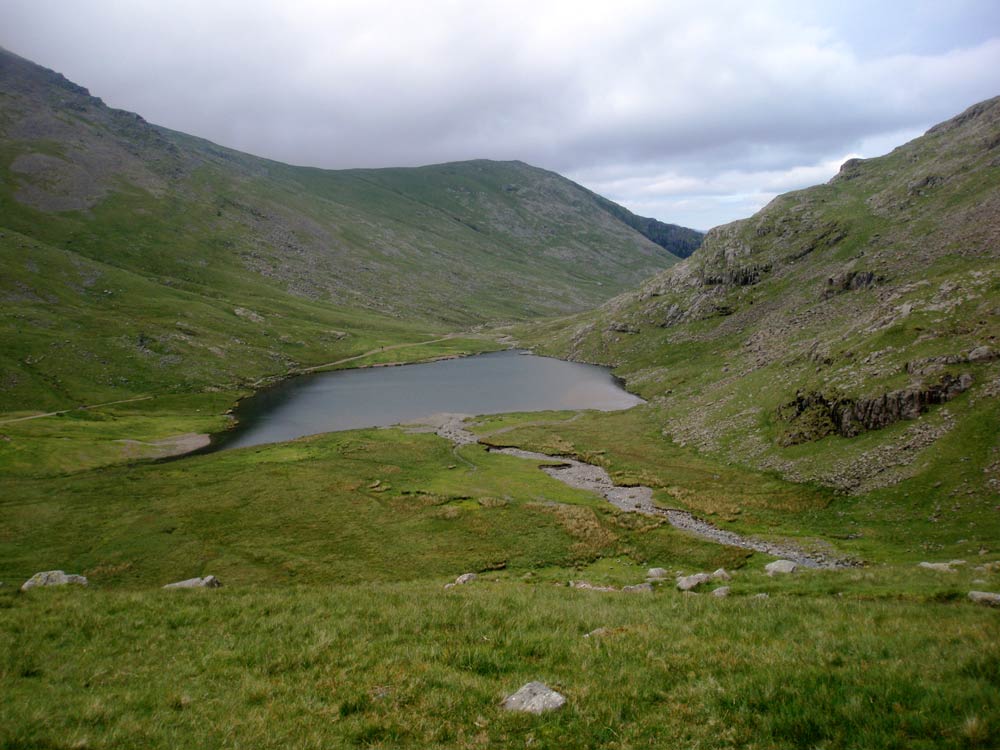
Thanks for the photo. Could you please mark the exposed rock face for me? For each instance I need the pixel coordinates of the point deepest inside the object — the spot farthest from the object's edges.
(690, 583)
(208, 582)
(534, 698)
(737, 275)
(985, 597)
(52, 578)
(815, 415)
(850, 281)
(780, 567)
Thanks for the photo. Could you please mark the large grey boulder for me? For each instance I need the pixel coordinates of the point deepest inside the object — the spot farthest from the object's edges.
(656, 573)
(534, 698)
(982, 354)
(722, 592)
(208, 582)
(780, 567)
(52, 578)
(466, 578)
(689, 583)
(985, 597)
(722, 575)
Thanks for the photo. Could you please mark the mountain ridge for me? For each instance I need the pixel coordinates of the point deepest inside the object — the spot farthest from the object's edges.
(85, 188)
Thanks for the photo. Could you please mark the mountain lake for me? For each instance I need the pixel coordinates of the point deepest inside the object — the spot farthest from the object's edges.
(494, 383)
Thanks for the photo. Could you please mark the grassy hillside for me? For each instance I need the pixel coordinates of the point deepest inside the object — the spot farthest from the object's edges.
(845, 333)
(844, 336)
(155, 258)
(333, 627)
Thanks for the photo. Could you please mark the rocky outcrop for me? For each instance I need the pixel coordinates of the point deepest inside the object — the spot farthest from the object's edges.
(850, 281)
(736, 276)
(52, 578)
(816, 415)
(534, 698)
(941, 567)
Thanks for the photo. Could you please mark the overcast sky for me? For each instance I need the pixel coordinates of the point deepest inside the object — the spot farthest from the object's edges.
(695, 113)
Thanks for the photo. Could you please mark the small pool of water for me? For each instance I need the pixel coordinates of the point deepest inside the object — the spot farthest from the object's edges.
(492, 383)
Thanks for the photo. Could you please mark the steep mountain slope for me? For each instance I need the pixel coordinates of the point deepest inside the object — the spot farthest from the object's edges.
(132, 245)
(680, 241)
(821, 336)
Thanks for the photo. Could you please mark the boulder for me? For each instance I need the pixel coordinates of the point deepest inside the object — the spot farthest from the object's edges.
(722, 592)
(208, 582)
(689, 583)
(780, 567)
(721, 575)
(466, 578)
(52, 578)
(982, 354)
(985, 597)
(534, 698)
(639, 588)
(656, 573)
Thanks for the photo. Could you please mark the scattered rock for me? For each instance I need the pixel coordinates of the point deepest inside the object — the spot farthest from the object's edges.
(466, 578)
(722, 592)
(689, 583)
(449, 585)
(639, 588)
(208, 582)
(534, 698)
(656, 573)
(985, 597)
(597, 632)
(762, 596)
(52, 578)
(721, 575)
(982, 354)
(780, 566)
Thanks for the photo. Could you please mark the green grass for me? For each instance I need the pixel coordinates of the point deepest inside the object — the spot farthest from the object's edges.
(411, 665)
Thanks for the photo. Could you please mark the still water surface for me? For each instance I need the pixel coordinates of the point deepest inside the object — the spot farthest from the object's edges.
(378, 397)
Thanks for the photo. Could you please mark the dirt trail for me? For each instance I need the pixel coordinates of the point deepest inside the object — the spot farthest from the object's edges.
(384, 349)
(76, 408)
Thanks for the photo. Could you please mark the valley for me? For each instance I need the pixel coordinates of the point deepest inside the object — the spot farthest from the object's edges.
(819, 382)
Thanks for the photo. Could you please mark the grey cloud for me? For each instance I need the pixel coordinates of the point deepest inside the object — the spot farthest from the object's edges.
(693, 114)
